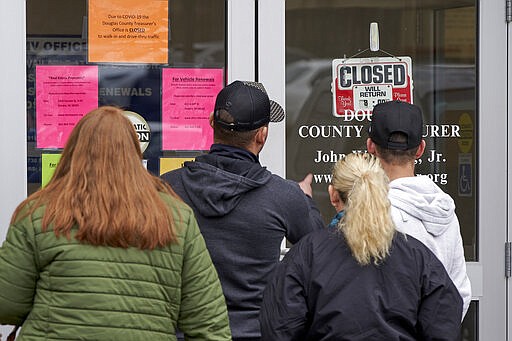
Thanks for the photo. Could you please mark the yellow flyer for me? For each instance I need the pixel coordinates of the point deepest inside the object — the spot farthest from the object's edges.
(168, 164)
(128, 31)
(49, 163)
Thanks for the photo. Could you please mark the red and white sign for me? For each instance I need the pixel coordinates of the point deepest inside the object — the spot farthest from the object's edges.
(361, 83)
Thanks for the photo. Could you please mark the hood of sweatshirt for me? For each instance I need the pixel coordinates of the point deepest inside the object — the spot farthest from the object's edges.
(216, 182)
(421, 198)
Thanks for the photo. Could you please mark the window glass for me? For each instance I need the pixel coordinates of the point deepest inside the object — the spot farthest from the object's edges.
(57, 35)
(440, 38)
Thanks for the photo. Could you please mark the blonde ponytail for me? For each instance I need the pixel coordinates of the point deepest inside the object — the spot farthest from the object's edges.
(367, 224)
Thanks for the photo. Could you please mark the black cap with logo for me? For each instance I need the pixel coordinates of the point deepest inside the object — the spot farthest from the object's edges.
(396, 116)
(244, 106)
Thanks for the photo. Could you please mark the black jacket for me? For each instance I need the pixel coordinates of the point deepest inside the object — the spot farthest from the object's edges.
(244, 212)
(319, 292)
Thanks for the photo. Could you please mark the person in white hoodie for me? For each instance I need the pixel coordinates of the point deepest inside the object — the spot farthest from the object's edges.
(419, 207)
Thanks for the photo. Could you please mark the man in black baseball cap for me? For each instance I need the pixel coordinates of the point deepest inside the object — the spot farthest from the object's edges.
(396, 117)
(245, 106)
(395, 136)
(243, 210)
(418, 206)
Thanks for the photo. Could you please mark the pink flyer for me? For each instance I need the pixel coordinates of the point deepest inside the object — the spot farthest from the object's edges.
(188, 99)
(63, 95)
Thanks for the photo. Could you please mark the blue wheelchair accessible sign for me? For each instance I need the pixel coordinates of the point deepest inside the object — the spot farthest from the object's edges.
(465, 175)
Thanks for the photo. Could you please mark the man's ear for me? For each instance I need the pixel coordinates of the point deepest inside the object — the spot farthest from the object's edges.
(421, 149)
(261, 135)
(211, 119)
(370, 146)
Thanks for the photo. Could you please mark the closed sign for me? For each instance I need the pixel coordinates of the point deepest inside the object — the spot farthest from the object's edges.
(361, 83)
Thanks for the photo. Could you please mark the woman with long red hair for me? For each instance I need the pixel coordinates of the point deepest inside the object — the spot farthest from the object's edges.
(106, 251)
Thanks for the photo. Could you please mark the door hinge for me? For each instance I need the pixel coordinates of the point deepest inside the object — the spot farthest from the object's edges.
(508, 269)
(508, 11)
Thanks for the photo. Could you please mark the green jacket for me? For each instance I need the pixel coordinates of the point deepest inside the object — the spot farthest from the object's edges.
(64, 290)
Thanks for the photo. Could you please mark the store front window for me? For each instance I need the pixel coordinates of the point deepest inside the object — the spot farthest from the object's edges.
(57, 34)
(440, 39)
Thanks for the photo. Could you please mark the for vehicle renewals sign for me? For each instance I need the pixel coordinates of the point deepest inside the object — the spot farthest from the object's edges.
(361, 83)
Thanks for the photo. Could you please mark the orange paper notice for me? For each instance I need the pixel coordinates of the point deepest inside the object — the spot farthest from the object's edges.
(128, 31)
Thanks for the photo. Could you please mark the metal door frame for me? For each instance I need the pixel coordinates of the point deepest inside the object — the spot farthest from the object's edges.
(13, 113)
(13, 138)
(488, 274)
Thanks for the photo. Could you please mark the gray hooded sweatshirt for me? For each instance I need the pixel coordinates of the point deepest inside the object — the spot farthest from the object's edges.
(244, 212)
(421, 209)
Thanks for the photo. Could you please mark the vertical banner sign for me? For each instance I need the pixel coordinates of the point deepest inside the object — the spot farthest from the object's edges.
(128, 31)
(63, 95)
(188, 99)
(361, 83)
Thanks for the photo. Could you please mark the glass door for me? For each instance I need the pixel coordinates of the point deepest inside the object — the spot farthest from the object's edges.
(458, 75)
(203, 35)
